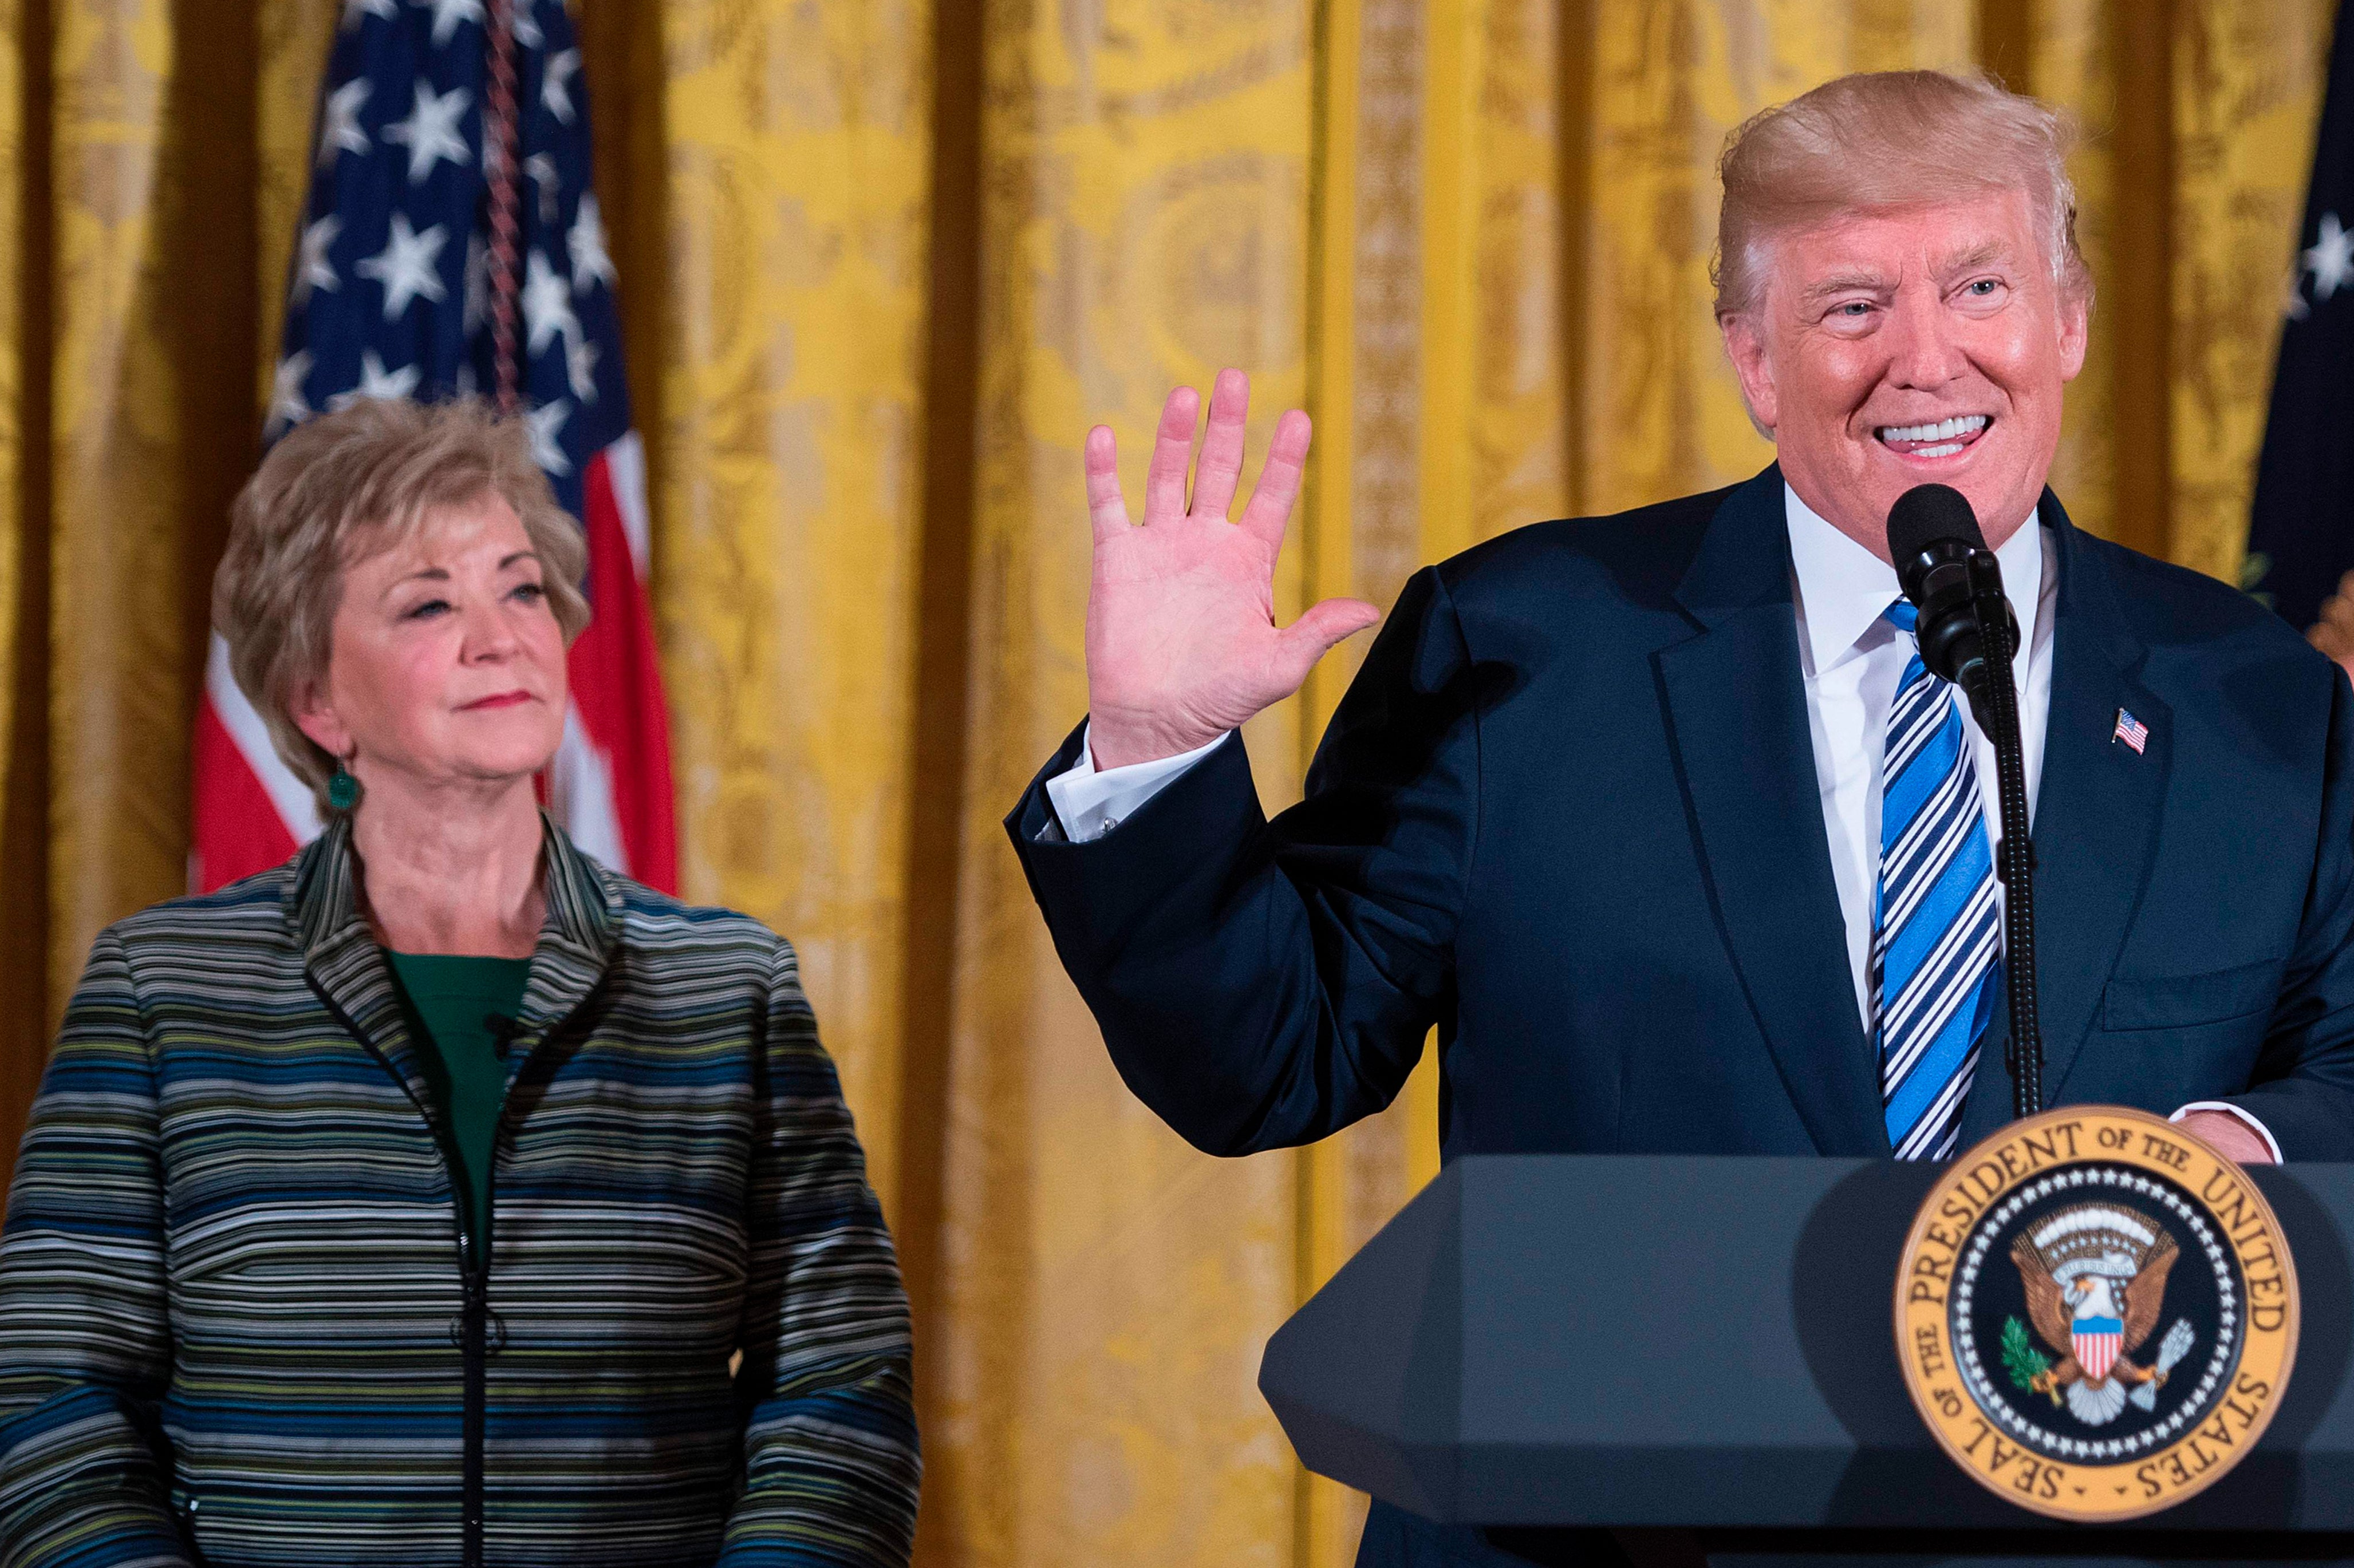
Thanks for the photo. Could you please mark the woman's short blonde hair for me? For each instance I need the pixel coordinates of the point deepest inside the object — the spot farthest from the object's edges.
(1886, 140)
(334, 491)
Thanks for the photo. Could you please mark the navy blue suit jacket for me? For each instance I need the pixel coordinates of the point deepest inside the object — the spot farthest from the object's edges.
(1568, 813)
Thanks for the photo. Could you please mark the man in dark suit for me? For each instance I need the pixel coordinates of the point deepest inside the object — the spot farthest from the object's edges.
(1658, 819)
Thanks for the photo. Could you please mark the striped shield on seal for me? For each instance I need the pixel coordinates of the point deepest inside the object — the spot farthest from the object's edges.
(2095, 1342)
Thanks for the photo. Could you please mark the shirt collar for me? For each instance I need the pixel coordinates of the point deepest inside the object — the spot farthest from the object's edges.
(1844, 589)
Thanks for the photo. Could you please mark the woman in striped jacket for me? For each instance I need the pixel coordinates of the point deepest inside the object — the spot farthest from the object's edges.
(440, 1196)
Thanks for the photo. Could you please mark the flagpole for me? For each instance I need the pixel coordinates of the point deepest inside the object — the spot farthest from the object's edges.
(500, 170)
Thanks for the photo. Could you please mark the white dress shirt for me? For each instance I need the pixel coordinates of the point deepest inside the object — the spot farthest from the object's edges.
(1851, 660)
(1852, 657)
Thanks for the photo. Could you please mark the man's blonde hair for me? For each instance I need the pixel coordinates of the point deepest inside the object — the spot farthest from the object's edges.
(340, 489)
(1886, 140)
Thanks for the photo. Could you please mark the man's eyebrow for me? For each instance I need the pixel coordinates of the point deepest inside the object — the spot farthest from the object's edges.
(1846, 282)
(1978, 255)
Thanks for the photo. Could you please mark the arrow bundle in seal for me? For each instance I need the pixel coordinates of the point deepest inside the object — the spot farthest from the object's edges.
(2177, 1345)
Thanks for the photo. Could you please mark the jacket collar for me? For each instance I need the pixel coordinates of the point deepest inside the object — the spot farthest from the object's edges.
(346, 966)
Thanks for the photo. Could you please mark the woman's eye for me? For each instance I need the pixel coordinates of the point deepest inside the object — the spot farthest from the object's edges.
(426, 610)
(530, 593)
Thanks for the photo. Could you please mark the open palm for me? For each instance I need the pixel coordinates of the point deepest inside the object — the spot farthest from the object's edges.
(1182, 641)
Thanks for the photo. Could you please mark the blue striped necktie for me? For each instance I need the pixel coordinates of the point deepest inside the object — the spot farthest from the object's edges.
(1935, 935)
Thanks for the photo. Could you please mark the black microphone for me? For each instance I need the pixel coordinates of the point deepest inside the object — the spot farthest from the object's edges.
(502, 1031)
(1968, 634)
(1945, 570)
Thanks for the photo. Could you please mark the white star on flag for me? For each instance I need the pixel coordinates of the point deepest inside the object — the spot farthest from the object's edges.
(431, 132)
(377, 382)
(312, 268)
(354, 10)
(585, 241)
(448, 13)
(287, 405)
(540, 169)
(554, 90)
(526, 26)
(580, 367)
(547, 303)
(544, 422)
(409, 266)
(339, 125)
(2331, 258)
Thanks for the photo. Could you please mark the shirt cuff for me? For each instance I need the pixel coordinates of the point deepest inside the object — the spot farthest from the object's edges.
(2226, 1107)
(1090, 804)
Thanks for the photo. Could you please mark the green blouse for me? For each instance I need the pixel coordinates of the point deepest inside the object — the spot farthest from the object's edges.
(450, 999)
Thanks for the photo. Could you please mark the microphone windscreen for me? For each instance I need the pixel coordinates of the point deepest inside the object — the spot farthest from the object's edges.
(1925, 513)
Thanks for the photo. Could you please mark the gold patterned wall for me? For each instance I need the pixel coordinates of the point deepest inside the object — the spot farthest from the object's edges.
(1105, 1290)
(882, 264)
(789, 306)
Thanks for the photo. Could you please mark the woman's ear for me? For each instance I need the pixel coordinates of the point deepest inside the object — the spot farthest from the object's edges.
(316, 718)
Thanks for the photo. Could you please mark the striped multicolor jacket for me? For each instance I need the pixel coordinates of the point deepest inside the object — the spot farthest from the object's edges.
(241, 1322)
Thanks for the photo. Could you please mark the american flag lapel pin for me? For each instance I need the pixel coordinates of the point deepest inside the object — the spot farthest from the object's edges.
(2132, 731)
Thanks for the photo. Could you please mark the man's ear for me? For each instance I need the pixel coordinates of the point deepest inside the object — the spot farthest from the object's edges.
(2075, 330)
(316, 718)
(1754, 368)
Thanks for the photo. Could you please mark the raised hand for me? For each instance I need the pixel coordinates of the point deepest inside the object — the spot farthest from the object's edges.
(1181, 640)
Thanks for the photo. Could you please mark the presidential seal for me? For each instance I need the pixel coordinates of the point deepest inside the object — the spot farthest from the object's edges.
(2095, 1313)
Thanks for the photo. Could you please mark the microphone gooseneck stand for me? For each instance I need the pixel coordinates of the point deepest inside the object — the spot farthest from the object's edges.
(1994, 698)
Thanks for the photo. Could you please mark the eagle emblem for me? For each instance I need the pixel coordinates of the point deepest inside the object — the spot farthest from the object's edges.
(2095, 1313)
(2094, 1275)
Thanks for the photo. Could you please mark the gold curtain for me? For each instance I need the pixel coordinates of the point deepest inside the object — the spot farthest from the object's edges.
(882, 263)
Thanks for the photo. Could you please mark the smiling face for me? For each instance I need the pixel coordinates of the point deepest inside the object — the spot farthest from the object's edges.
(446, 663)
(1891, 349)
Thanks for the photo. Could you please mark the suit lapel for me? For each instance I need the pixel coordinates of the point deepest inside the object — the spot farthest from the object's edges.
(2096, 818)
(1736, 710)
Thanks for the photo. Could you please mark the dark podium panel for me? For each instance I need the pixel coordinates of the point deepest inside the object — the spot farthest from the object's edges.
(1692, 1343)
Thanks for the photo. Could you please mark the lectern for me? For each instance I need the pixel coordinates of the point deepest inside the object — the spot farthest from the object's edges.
(1696, 1354)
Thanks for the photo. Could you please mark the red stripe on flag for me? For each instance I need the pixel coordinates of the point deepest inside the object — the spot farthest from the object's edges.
(238, 830)
(616, 685)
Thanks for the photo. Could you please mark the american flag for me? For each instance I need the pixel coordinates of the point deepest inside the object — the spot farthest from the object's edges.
(2132, 731)
(414, 259)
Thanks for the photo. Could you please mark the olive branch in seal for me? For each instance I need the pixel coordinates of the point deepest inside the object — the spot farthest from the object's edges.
(2020, 1357)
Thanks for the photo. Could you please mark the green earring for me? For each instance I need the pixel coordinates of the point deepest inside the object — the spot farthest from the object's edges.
(343, 790)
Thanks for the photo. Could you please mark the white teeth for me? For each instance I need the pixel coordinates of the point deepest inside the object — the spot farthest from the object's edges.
(1946, 451)
(1943, 430)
